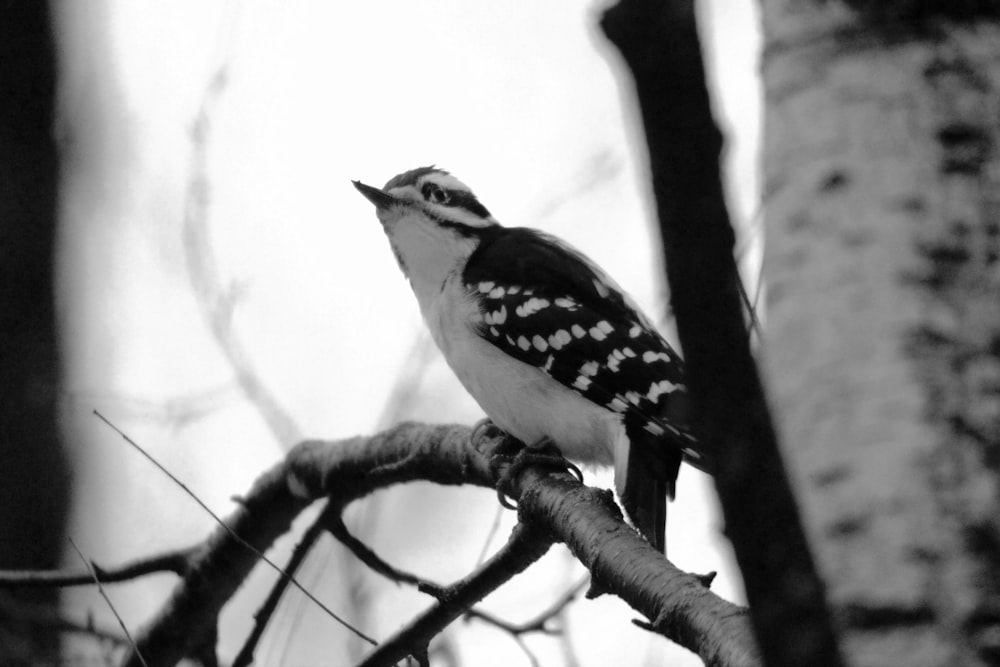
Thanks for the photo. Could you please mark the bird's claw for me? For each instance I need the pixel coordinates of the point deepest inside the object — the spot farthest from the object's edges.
(543, 453)
(481, 430)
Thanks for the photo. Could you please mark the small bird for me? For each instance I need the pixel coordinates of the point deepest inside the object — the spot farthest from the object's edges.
(547, 344)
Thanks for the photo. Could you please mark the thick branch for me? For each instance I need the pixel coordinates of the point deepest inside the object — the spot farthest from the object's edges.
(621, 562)
(586, 519)
(660, 45)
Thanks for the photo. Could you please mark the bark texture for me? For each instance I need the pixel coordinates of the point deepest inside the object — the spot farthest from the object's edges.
(882, 192)
(679, 605)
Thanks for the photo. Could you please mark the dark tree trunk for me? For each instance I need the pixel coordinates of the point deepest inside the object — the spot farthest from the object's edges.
(33, 470)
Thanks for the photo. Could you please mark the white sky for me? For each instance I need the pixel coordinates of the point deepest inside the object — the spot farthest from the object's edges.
(521, 100)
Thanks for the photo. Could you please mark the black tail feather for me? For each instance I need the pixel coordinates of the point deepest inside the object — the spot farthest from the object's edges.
(648, 484)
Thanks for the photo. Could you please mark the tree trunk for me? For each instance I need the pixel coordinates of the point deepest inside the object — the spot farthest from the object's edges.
(882, 192)
(33, 472)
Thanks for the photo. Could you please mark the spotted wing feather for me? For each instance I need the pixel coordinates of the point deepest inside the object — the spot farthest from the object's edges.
(548, 306)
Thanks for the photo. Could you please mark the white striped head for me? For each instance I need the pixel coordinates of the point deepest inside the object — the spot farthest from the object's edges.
(433, 221)
(433, 191)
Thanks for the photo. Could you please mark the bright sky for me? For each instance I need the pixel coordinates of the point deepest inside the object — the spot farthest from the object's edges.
(524, 101)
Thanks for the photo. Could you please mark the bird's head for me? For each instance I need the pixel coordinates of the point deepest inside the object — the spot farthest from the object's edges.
(433, 221)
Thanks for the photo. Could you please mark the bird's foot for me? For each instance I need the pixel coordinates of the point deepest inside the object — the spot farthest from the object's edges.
(482, 430)
(518, 456)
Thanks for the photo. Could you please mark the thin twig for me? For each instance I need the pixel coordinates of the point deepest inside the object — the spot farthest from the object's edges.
(218, 298)
(494, 528)
(337, 528)
(538, 623)
(751, 310)
(171, 561)
(335, 524)
(38, 615)
(329, 612)
(525, 546)
(263, 616)
(111, 606)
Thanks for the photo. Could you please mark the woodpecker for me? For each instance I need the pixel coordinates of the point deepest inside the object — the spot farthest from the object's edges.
(547, 344)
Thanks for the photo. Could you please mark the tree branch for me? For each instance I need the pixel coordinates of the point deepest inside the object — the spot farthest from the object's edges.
(659, 43)
(32, 614)
(218, 297)
(263, 615)
(585, 519)
(540, 623)
(525, 546)
(111, 605)
(445, 594)
(621, 562)
(171, 561)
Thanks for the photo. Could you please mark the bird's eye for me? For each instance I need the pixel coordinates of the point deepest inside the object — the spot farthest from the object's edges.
(435, 194)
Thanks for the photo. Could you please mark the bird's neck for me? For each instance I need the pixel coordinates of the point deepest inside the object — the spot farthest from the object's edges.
(429, 259)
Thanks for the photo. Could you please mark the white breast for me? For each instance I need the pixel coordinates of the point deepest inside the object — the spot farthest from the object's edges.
(518, 397)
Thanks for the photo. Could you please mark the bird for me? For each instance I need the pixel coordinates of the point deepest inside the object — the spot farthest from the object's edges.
(548, 345)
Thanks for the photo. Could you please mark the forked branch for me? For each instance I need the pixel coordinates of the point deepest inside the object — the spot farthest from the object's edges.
(552, 507)
(586, 519)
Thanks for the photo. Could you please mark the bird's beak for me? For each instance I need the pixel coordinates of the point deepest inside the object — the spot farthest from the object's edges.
(382, 200)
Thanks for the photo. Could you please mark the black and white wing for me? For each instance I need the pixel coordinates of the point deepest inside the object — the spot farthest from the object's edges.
(548, 306)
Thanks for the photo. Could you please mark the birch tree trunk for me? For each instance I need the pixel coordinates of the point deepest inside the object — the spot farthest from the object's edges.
(882, 194)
